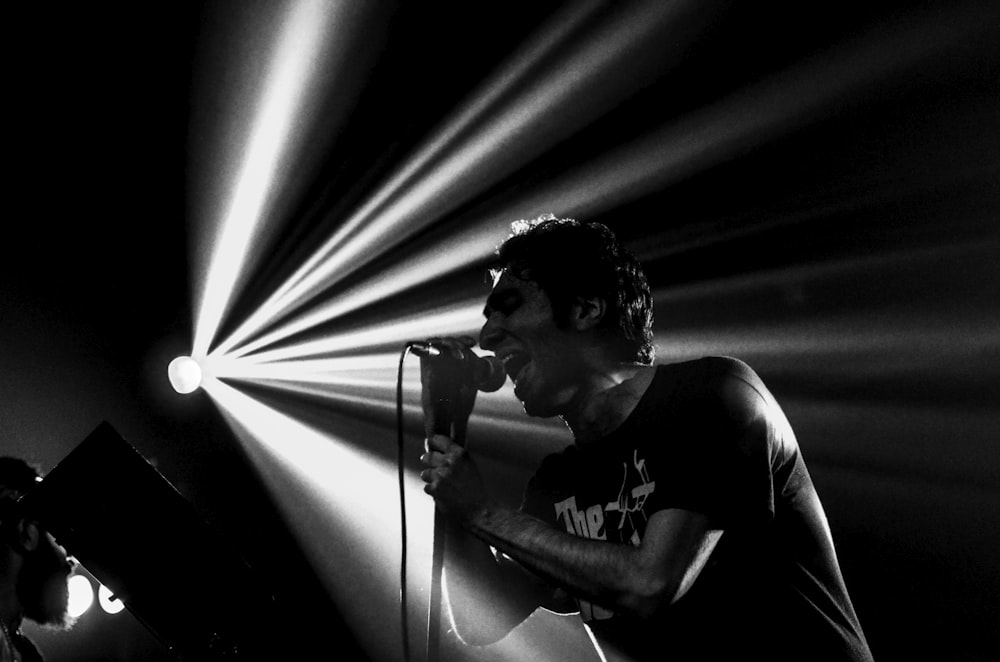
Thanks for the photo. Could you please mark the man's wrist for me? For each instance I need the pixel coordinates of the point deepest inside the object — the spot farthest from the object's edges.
(490, 521)
(476, 515)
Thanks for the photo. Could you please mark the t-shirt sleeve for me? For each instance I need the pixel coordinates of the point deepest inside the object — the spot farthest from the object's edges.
(718, 461)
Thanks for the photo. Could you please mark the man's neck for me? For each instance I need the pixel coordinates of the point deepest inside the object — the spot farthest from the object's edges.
(607, 400)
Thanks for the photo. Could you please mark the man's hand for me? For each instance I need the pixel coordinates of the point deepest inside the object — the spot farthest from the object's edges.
(452, 478)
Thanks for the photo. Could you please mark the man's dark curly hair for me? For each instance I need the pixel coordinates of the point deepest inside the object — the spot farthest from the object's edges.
(567, 259)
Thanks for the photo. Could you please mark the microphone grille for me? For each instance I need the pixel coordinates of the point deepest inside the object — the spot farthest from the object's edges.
(494, 378)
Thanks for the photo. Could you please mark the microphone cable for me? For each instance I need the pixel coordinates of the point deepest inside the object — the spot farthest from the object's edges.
(404, 618)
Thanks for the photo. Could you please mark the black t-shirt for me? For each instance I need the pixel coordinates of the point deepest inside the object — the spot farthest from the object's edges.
(708, 437)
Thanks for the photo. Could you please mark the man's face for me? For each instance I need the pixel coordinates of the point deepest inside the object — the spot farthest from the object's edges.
(42, 586)
(540, 357)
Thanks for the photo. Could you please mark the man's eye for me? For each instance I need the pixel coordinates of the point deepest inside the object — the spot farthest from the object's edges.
(504, 305)
(507, 306)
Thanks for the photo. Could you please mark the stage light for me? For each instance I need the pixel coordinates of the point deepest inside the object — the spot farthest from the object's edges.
(81, 595)
(184, 374)
(109, 603)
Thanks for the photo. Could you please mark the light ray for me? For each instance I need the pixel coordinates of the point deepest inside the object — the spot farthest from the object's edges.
(652, 162)
(493, 135)
(288, 81)
(830, 269)
(341, 503)
(334, 470)
(838, 337)
(824, 339)
(496, 412)
(462, 318)
(466, 246)
(319, 370)
(778, 106)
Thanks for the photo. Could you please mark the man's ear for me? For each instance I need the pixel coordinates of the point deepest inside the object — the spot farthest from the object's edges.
(28, 535)
(587, 312)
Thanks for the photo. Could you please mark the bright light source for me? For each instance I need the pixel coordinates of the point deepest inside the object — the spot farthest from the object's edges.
(81, 595)
(184, 374)
(108, 601)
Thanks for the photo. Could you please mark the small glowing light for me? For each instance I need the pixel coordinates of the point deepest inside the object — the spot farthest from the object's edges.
(108, 601)
(184, 374)
(81, 595)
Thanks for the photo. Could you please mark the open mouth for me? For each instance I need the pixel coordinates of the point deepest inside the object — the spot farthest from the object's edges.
(514, 365)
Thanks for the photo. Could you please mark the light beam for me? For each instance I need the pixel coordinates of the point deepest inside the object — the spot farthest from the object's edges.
(533, 102)
(341, 503)
(287, 83)
(731, 127)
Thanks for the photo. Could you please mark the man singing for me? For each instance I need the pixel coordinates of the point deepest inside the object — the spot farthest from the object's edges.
(682, 524)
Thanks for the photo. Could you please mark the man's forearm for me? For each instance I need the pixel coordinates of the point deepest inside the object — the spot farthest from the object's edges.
(638, 580)
(612, 575)
(485, 599)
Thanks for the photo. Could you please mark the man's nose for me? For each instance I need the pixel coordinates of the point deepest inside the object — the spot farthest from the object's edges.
(70, 560)
(490, 335)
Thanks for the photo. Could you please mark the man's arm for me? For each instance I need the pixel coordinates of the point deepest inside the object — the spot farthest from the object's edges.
(633, 580)
(486, 594)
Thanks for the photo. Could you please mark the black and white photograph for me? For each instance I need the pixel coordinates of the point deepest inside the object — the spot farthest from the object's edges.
(441, 331)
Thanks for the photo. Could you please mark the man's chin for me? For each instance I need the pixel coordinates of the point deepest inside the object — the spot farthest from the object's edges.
(60, 623)
(540, 403)
(53, 612)
(538, 408)
(55, 616)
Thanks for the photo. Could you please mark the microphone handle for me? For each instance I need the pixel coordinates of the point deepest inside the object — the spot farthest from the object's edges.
(443, 393)
(443, 414)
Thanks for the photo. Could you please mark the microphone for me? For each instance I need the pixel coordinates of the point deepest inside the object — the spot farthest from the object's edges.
(487, 371)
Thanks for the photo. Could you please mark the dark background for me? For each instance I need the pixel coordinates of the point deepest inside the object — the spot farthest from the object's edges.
(849, 255)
